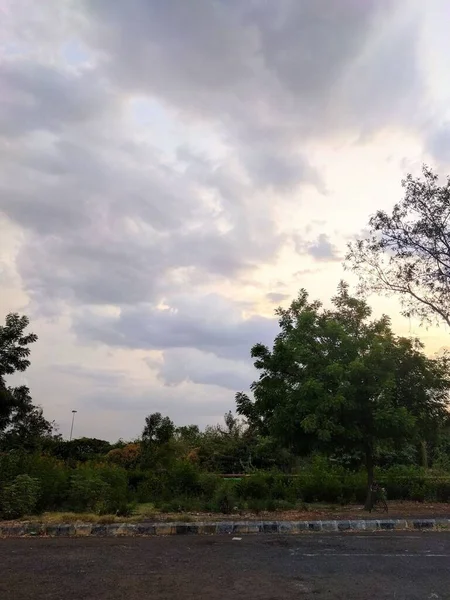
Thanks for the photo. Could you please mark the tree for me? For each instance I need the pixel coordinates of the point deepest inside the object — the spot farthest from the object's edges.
(80, 449)
(158, 430)
(21, 423)
(158, 447)
(335, 379)
(408, 252)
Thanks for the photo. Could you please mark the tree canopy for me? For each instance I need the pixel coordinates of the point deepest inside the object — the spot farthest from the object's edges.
(407, 252)
(335, 378)
(21, 423)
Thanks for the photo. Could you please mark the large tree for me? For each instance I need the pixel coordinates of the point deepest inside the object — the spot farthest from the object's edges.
(407, 252)
(21, 423)
(337, 379)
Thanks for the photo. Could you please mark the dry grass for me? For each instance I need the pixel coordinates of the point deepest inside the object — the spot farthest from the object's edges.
(147, 512)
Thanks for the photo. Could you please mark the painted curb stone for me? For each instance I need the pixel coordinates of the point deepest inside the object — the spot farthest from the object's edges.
(60, 530)
(285, 527)
(125, 529)
(186, 529)
(255, 527)
(83, 529)
(329, 525)
(386, 524)
(270, 527)
(145, 529)
(34, 529)
(240, 527)
(424, 524)
(13, 530)
(207, 528)
(164, 529)
(223, 527)
(445, 523)
(358, 525)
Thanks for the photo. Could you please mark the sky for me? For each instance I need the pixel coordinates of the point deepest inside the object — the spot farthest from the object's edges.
(171, 172)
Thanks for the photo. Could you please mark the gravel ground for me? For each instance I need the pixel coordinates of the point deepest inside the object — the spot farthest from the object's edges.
(400, 566)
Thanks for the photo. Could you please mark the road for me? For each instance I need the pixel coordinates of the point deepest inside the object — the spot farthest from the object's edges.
(400, 566)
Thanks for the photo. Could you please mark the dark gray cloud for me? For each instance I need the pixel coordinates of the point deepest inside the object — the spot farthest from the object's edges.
(180, 365)
(270, 73)
(42, 97)
(207, 323)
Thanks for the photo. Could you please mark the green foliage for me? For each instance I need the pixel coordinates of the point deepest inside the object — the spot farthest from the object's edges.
(336, 379)
(254, 487)
(101, 489)
(87, 492)
(224, 499)
(20, 497)
(52, 474)
(158, 430)
(78, 450)
(22, 425)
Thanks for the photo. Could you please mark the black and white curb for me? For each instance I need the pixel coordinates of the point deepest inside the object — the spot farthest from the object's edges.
(212, 528)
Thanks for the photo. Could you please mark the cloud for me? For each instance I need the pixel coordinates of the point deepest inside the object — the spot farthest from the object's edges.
(209, 323)
(42, 97)
(277, 297)
(267, 72)
(180, 365)
(159, 160)
(439, 143)
(323, 249)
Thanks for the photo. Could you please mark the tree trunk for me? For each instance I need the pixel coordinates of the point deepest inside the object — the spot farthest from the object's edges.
(369, 467)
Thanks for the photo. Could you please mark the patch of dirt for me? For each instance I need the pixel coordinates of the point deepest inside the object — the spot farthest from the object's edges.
(321, 513)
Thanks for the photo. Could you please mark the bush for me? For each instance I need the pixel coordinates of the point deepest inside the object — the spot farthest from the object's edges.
(152, 488)
(86, 492)
(254, 487)
(20, 497)
(224, 500)
(101, 489)
(183, 479)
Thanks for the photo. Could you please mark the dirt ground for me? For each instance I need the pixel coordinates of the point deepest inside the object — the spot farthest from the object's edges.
(323, 512)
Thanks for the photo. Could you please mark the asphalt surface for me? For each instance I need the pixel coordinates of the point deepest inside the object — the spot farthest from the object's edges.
(400, 566)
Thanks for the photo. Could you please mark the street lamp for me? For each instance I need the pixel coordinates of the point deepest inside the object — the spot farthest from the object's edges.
(71, 429)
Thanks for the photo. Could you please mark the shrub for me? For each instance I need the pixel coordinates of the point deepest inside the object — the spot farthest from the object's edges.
(208, 484)
(101, 489)
(224, 500)
(53, 475)
(87, 492)
(183, 479)
(20, 497)
(254, 487)
(152, 488)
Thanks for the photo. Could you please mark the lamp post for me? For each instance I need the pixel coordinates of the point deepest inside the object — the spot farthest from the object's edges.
(71, 429)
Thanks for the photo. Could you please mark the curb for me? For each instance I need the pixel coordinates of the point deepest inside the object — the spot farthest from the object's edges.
(218, 527)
